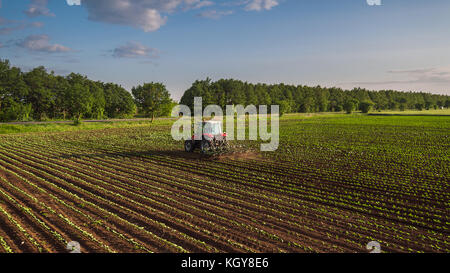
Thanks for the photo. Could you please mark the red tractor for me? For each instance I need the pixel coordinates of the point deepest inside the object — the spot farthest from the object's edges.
(212, 138)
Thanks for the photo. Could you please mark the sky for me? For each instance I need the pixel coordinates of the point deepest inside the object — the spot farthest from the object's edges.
(375, 44)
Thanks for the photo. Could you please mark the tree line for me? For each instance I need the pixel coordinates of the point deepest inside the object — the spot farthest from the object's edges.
(305, 99)
(39, 95)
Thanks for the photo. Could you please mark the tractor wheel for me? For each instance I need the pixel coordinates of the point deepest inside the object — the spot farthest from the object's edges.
(225, 145)
(205, 146)
(189, 146)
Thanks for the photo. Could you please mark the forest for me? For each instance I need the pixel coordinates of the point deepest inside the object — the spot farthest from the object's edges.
(39, 95)
(304, 99)
(42, 95)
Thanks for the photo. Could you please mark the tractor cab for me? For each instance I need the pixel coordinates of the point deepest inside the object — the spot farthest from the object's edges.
(209, 137)
(209, 129)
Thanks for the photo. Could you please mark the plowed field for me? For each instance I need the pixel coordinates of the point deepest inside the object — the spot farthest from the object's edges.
(335, 184)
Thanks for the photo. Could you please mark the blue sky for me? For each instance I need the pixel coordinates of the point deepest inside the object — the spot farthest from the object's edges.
(401, 44)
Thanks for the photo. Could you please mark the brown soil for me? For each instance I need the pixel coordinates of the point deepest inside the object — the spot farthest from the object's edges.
(173, 201)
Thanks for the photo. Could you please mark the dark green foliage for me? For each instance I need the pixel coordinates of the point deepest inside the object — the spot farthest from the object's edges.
(306, 99)
(13, 110)
(119, 102)
(77, 121)
(40, 95)
(285, 107)
(349, 106)
(365, 106)
(153, 99)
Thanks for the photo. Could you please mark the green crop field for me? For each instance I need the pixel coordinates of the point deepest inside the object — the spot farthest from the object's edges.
(336, 183)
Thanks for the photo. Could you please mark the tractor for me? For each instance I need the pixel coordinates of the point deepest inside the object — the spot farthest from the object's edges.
(212, 138)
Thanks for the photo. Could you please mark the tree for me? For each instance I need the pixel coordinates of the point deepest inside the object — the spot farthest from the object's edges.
(166, 109)
(210, 94)
(80, 101)
(13, 93)
(285, 107)
(365, 106)
(350, 106)
(99, 102)
(51, 96)
(119, 103)
(13, 110)
(236, 92)
(419, 106)
(322, 100)
(40, 95)
(152, 98)
(78, 98)
(402, 102)
(307, 105)
(252, 99)
(61, 106)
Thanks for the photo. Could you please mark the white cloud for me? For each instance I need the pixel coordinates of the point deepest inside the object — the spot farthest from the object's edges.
(36, 24)
(214, 14)
(258, 5)
(73, 2)
(435, 75)
(150, 15)
(41, 43)
(4, 21)
(147, 15)
(199, 4)
(439, 75)
(19, 26)
(38, 8)
(135, 50)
